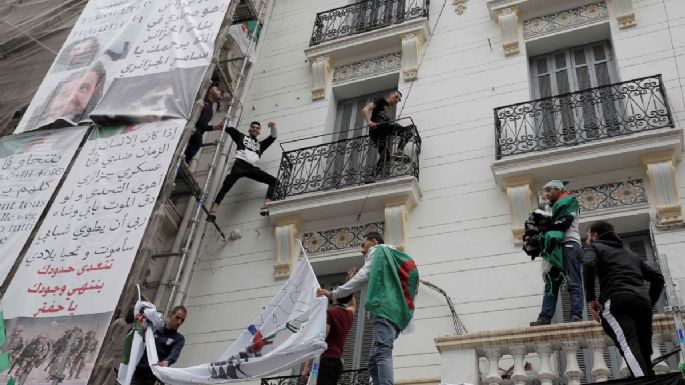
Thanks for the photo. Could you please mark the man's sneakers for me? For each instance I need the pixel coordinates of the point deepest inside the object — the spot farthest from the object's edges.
(211, 217)
(264, 211)
(540, 322)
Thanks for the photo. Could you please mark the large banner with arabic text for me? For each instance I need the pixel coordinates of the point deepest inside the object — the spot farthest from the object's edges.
(72, 274)
(128, 61)
(31, 166)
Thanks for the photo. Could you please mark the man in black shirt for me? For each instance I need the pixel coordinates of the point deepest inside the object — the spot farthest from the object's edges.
(169, 343)
(248, 152)
(384, 133)
(202, 125)
(625, 304)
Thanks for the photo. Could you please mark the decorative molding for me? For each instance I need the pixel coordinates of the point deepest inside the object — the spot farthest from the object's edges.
(611, 195)
(321, 68)
(625, 16)
(338, 239)
(507, 18)
(520, 197)
(662, 177)
(369, 67)
(287, 248)
(410, 56)
(459, 6)
(566, 19)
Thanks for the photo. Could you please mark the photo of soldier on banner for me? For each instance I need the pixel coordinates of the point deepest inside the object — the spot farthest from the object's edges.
(42, 349)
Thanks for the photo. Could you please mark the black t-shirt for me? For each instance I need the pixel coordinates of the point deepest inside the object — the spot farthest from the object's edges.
(381, 113)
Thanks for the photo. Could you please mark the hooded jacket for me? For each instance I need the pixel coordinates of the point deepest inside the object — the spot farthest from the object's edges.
(619, 271)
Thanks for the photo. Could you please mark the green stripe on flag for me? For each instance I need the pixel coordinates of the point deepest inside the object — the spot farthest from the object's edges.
(4, 361)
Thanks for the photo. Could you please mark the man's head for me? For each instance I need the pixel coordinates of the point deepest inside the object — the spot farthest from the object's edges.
(176, 317)
(597, 230)
(76, 96)
(214, 93)
(553, 190)
(370, 240)
(255, 129)
(394, 97)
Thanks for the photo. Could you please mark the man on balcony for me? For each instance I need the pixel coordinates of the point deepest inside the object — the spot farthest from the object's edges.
(248, 151)
(390, 280)
(562, 249)
(385, 134)
(625, 303)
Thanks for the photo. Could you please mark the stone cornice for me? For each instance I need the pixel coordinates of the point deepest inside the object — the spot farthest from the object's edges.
(529, 336)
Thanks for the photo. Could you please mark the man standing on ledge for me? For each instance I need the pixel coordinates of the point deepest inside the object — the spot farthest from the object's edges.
(248, 151)
(562, 244)
(390, 280)
(625, 304)
(202, 125)
(169, 343)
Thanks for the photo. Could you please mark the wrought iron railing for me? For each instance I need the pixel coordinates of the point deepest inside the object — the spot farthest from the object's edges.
(596, 113)
(351, 162)
(348, 377)
(365, 16)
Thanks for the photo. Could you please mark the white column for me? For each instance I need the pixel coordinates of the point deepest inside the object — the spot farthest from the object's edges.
(287, 248)
(321, 67)
(519, 353)
(410, 56)
(661, 172)
(507, 18)
(493, 355)
(625, 16)
(573, 373)
(600, 371)
(546, 374)
(520, 199)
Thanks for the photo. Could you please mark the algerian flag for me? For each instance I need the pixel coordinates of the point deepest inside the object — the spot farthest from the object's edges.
(5, 356)
(134, 346)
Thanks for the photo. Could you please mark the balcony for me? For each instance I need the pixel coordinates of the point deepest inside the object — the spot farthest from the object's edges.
(575, 352)
(604, 128)
(364, 16)
(348, 377)
(318, 180)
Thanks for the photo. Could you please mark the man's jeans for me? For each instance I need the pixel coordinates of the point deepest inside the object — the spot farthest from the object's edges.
(572, 264)
(380, 357)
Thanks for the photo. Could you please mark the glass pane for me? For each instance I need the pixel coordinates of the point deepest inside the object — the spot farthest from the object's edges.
(544, 86)
(541, 65)
(562, 82)
(579, 57)
(560, 60)
(600, 53)
(583, 78)
(602, 73)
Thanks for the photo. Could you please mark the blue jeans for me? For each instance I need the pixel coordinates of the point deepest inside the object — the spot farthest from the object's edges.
(380, 356)
(572, 264)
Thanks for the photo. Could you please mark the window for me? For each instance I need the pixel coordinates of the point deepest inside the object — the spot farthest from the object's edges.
(575, 113)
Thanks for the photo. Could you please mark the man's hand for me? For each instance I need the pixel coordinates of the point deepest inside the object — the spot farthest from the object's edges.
(219, 126)
(271, 124)
(371, 125)
(595, 308)
(163, 363)
(323, 293)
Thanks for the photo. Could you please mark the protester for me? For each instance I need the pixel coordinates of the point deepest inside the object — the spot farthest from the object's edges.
(625, 303)
(383, 131)
(248, 152)
(169, 343)
(384, 277)
(202, 125)
(561, 248)
(338, 322)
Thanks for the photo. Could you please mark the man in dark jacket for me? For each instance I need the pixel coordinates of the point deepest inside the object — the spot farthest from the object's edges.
(625, 304)
(202, 125)
(169, 343)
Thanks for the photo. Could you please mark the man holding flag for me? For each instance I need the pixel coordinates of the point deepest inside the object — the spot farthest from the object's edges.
(390, 280)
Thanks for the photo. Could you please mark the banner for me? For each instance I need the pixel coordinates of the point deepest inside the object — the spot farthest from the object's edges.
(31, 166)
(129, 61)
(83, 251)
(289, 331)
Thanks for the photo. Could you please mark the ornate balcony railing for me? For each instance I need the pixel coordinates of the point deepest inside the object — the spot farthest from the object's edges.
(351, 162)
(365, 16)
(349, 377)
(581, 350)
(596, 113)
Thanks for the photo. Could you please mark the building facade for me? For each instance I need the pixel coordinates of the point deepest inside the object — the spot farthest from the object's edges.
(499, 97)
